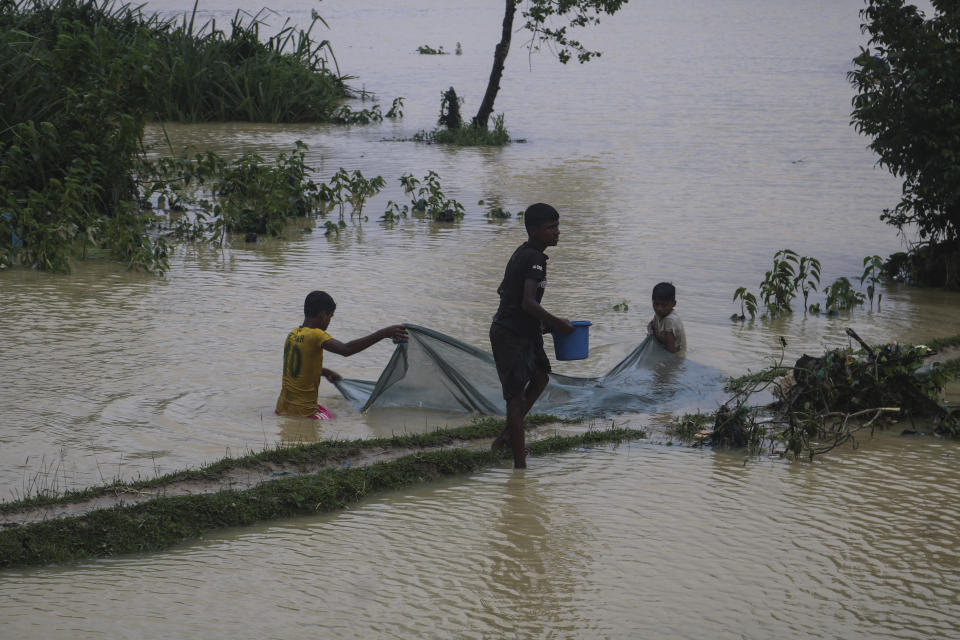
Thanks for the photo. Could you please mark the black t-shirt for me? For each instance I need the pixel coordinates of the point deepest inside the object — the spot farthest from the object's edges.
(526, 263)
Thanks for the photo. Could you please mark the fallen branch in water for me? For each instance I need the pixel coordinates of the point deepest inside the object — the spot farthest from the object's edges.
(823, 402)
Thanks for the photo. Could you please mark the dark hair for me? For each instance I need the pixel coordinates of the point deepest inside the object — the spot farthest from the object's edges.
(537, 214)
(316, 302)
(664, 291)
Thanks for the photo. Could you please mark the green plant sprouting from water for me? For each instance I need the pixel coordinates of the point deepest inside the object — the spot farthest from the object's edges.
(872, 274)
(396, 109)
(807, 276)
(208, 196)
(350, 188)
(427, 199)
(468, 135)
(841, 296)
(494, 211)
(427, 50)
(793, 275)
(748, 304)
(780, 283)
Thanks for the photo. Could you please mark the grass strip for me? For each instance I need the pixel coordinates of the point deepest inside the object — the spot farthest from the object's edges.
(939, 344)
(164, 522)
(315, 453)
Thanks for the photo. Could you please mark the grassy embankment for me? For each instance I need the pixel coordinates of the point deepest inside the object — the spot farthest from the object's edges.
(165, 521)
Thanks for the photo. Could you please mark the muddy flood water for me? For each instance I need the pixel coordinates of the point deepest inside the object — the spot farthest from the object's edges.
(707, 137)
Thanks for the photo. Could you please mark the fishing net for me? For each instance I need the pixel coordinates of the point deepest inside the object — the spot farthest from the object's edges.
(435, 371)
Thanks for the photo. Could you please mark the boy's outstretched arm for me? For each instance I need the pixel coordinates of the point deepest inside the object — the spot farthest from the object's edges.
(530, 305)
(668, 340)
(398, 332)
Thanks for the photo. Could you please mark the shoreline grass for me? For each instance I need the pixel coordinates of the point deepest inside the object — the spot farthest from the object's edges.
(165, 521)
(314, 453)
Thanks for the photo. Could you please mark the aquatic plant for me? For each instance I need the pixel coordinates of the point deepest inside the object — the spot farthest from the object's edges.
(396, 108)
(873, 269)
(69, 136)
(346, 115)
(807, 278)
(748, 304)
(427, 50)
(793, 274)
(841, 296)
(494, 211)
(427, 199)
(780, 283)
(468, 135)
(351, 188)
(215, 196)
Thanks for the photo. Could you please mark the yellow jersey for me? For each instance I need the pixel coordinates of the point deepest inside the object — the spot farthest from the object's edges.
(302, 369)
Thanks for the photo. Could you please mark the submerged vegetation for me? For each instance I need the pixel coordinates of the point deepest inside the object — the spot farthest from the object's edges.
(427, 200)
(164, 521)
(206, 197)
(823, 402)
(78, 81)
(793, 275)
(454, 131)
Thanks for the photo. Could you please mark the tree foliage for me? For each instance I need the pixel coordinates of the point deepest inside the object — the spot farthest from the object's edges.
(551, 23)
(79, 79)
(908, 101)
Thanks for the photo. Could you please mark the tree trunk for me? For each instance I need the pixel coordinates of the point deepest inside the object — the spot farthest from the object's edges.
(499, 57)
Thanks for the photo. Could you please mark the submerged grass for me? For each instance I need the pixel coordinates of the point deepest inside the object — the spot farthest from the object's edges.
(467, 135)
(163, 522)
(939, 344)
(315, 453)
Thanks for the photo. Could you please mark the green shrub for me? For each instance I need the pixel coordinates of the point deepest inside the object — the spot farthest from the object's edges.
(468, 135)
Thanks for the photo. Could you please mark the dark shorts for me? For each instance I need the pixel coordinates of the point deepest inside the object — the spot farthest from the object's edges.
(518, 358)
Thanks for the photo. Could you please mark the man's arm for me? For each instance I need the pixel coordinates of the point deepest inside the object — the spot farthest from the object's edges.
(398, 332)
(530, 305)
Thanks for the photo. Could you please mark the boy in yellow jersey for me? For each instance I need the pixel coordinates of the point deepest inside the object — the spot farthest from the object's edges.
(303, 356)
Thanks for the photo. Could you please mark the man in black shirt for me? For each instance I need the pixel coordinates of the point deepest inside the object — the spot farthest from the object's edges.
(516, 334)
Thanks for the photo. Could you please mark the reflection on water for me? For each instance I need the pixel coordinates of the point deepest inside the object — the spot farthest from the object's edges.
(626, 542)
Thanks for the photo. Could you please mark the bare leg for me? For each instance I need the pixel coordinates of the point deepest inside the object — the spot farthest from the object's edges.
(514, 429)
(517, 409)
(530, 395)
(533, 390)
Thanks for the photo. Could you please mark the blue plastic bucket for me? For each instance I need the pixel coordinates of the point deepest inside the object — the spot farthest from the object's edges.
(574, 345)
